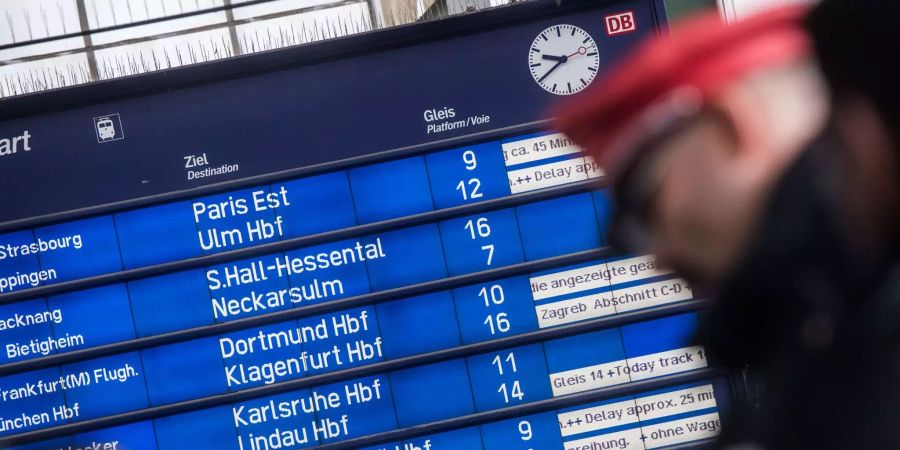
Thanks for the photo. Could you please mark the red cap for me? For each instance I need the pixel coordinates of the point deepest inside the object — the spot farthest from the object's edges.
(701, 56)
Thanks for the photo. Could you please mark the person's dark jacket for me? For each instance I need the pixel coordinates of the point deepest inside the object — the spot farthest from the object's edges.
(815, 324)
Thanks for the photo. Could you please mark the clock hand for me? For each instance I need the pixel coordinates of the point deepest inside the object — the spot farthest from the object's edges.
(551, 70)
(555, 58)
(581, 51)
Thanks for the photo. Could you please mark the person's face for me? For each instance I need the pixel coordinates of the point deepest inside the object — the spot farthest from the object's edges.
(699, 192)
(701, 215)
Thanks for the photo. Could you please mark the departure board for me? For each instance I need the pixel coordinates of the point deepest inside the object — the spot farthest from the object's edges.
(370, 243)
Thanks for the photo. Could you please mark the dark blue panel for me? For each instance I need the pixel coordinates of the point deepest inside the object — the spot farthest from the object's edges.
(393, 189)
(654, 336)
(99, 252)
(170, 302)
(27, 330)
(249, 126)
(481, 242)
(100, 315)
(307, 114)
(156, 235)
(206, 429)
(452, 173)
(603, 207)
(388, 446)
(493, 310)
(59, 443)
(183, 371)
(114, 384)
(584, 350)
(134, 436)
(509, 377)
(558, 226)
(418, 325)
(412, 255)
(464, 439)
(19, 255)
(317, 204)
(434, 392)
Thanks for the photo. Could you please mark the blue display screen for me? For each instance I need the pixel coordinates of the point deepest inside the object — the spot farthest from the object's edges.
(409, 301)
(330, 343)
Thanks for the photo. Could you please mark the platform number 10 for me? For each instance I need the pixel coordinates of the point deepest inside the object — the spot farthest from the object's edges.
(470, 189)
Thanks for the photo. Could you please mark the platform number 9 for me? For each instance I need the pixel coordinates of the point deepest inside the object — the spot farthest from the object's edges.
(470, 160)
(525, 432)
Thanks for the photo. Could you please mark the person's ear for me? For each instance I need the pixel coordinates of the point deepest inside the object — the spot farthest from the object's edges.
(738, 113)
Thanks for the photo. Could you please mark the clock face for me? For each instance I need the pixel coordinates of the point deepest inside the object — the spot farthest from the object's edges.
(563, 59)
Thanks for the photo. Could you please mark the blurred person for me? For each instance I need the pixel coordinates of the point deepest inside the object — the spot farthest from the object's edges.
(856, 42)
(717, 144)
(715, 106)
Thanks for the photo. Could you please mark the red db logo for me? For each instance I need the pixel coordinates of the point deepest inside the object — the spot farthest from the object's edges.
(620, 23)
